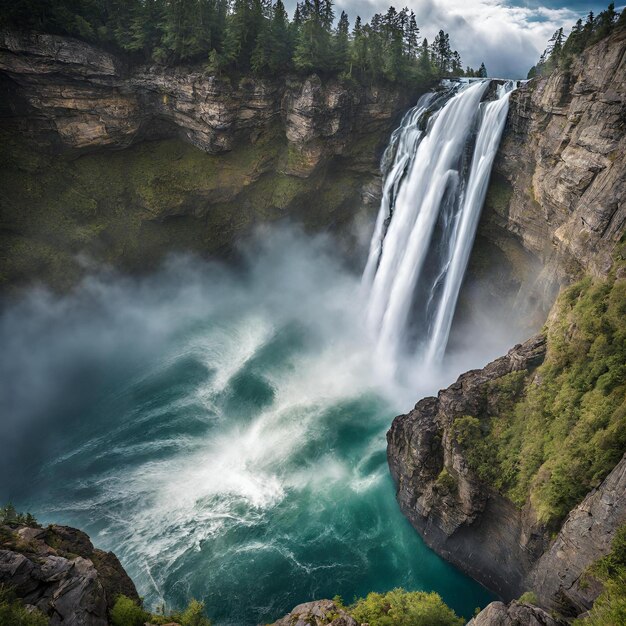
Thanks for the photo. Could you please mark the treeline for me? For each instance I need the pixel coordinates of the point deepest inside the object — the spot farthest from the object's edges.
(249, 36)
(562, 50)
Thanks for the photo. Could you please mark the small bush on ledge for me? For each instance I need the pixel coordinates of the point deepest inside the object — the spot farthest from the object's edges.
(403, 608)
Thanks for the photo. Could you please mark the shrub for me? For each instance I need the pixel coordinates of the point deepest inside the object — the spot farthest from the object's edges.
(127, 612)
(553, 435)
(194, 615)
(13, 612)
(8, 515)
(528, 597)
(404, 608)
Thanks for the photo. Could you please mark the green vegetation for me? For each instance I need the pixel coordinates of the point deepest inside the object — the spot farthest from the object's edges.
(248, 35)
(128, 207)
(10, 517)
(402, 608)
(127, 612)
(528, 597)
(13, 612)
(552, 436)
(562, 50)
(445, 481)
(609, 608)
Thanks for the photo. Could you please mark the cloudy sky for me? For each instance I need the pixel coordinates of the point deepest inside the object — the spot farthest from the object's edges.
(508, 36)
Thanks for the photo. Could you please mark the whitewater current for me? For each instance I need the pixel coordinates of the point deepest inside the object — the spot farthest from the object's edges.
(223, 430)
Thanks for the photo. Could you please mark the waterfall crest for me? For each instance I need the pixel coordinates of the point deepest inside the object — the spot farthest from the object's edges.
(436, 172)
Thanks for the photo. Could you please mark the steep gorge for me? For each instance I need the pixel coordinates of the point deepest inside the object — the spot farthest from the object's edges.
(122, 165)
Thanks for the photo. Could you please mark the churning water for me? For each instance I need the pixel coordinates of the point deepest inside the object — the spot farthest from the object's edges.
(224, 431)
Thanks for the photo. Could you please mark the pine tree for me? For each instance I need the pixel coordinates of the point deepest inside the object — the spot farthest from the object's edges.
(412, 36)
(425, 66)
(342, 43)
(358, 55)
(441, 53)
(482, 71)
(456, 65)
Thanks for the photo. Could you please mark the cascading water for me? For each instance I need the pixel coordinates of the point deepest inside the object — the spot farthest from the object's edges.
(437, 170)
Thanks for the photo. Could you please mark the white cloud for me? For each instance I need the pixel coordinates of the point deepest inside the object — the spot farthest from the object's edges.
(509, 39)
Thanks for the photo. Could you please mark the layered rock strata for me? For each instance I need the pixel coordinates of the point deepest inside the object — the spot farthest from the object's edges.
(106, 162)
(556, 203)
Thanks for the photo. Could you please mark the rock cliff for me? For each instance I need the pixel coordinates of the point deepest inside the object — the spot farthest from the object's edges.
(462, 519)
(123, 164)
(556, 204)
(58, 571)
(514, 614)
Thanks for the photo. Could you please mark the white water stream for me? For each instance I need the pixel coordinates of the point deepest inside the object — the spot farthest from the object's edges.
(438, 166)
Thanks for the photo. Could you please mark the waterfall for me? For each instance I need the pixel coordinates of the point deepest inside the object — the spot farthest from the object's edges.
(436, 172)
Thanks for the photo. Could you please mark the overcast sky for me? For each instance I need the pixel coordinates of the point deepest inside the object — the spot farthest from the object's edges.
(508, 36)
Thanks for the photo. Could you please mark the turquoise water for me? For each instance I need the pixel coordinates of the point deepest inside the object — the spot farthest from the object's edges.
(223, 433)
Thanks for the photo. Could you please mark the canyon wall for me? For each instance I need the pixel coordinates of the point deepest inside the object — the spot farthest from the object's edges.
(555, 206)
(110, 163)
(555, 213)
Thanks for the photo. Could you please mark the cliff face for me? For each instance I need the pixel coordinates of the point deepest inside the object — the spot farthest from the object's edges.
(460, 517)
(58, 571)
(555, 212)
(556, 204)
(121, 163)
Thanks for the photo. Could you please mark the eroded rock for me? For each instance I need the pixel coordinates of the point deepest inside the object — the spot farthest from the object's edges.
(58, 571)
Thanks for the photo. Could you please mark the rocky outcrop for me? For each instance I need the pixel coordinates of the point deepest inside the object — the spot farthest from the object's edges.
(555, 211)
(457, 515)
(513, 614)
(317, 613)
(122, 164)
(475, 527)
(58, 571)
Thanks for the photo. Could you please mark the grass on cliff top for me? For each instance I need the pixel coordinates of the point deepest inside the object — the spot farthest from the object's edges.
(609, 609)
(552, 436)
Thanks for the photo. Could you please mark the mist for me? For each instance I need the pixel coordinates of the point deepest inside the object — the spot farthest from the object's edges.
(57, 349)
(186, 419)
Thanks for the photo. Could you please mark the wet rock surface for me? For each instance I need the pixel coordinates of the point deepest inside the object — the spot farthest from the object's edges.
(470, 525)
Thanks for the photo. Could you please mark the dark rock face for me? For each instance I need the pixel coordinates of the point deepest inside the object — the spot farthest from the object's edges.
(558, 192)
(513, 614)
(58, 571)
(317, 613)
(472, 526)
(477, 529)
